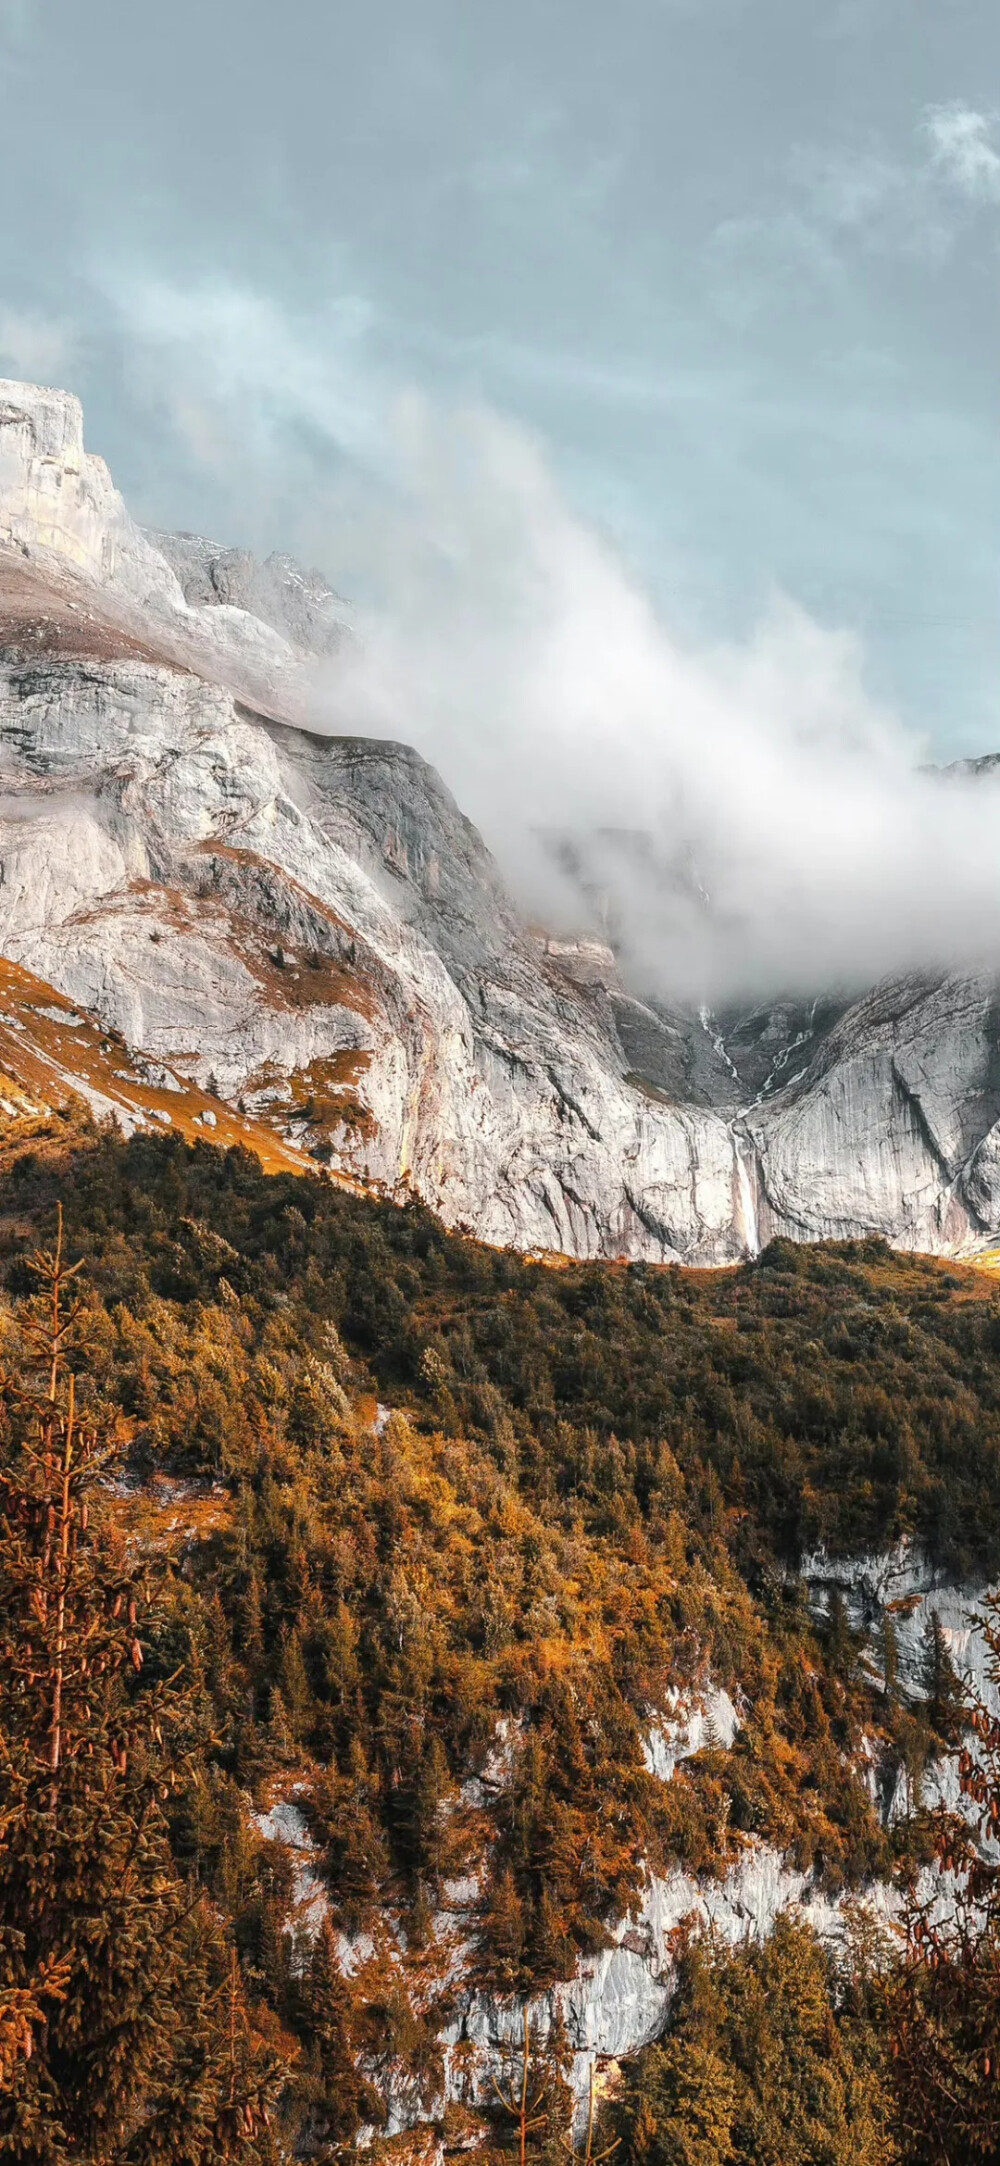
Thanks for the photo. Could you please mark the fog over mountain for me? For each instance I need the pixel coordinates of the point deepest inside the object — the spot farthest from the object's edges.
(213, 850)
(741, 819)
(634, 376)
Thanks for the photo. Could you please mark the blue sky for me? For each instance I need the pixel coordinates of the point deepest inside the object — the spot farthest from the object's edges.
(733, 263)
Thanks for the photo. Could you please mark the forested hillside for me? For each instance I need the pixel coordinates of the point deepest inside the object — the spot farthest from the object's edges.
(430, 1539)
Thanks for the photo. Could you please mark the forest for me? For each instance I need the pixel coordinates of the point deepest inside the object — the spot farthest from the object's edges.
(306, 1503)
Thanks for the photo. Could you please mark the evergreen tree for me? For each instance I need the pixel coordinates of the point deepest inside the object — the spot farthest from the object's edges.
(942, 1687)
(841, 1641)
(343, 1813)
(944, 1998)
(759, 2068)
(336, 2098)
(683, 2106)
(533, 2096)
(112, 1969)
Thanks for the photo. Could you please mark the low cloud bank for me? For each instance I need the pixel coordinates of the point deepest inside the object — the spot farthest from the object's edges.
(742, 820)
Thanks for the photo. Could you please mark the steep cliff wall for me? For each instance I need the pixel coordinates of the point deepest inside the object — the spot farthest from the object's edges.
(311, 926)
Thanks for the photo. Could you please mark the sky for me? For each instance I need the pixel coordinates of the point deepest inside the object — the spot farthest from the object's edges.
(731, 264)
(633, 371)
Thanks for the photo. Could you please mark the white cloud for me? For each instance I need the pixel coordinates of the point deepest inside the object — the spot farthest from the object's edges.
(788, 835)
(851, 191)
(838, 205)
(963, 150)
(754, 818)
(34, 347)
(236, 372)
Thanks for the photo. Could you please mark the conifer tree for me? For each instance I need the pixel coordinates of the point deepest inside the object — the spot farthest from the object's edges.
(585, 2153)
(113, 1971)
(534, 2097)
(683, 2106)
(944, 1999)
(841, 1643)
(336, 2098)
(942, 1687)
(756, 2066)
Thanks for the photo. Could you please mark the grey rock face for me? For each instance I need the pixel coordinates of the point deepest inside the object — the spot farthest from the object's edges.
(297, 604)
(244, 901)
(895, 1120)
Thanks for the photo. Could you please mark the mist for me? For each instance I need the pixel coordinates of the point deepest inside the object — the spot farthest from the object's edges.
(740, 820)
(741, 817)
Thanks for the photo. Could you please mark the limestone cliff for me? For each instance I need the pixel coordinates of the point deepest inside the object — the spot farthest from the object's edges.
(308, 928)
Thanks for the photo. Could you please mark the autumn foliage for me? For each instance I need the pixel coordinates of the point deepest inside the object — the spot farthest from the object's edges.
(115, 2036)
(305, 1502)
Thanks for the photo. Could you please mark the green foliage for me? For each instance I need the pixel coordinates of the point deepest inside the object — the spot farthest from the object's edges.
(760, 2067)
(135, 2039)
(684, 2100)
(942, 2001)
(448, 1633)
(836, 1394)
(332, 2096)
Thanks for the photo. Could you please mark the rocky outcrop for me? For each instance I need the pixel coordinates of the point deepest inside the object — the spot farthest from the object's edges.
(297, 605)
(309, 927)
(246, 626)
(312, 924)
(895, 1119)
(58, 500)
(617, 2000)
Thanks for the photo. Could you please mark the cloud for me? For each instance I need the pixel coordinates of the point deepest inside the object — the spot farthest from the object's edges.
(745, 818)
(854, 192)
(963, 151)
(16, 19)
(853, 199)
(837, 206)
(221, 349)
(38, 348)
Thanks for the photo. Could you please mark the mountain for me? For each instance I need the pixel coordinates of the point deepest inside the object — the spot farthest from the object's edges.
(216, 917)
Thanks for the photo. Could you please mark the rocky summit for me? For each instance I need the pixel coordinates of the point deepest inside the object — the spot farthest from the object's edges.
(216, 918)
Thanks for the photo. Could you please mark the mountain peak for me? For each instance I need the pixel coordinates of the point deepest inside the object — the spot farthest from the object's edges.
(305, 931)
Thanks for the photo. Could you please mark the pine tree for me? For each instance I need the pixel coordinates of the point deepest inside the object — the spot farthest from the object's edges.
(942, 1687)
(343, 1814)
(335, 2096)
(683, 2106)
(533, 2096)
(585, 2153)
(943, 2001)
(113, 1970)
(758, 2064)
(840, 1640)
(504, 1932)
